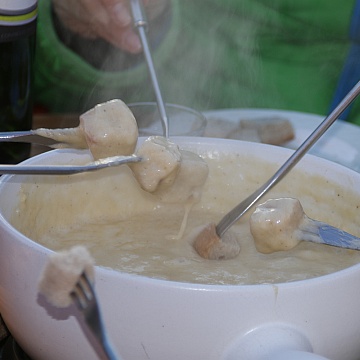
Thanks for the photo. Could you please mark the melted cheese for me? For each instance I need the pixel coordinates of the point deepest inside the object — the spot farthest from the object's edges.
(275, 224)
(109, 129)
(131, 230)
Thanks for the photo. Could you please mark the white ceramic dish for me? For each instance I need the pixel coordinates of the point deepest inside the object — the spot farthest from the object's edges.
(155, 319)
(340, 143)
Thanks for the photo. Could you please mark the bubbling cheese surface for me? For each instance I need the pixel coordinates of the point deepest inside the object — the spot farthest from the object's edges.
(133, 231)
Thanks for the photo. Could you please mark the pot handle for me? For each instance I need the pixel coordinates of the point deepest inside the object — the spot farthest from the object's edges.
(272, 342)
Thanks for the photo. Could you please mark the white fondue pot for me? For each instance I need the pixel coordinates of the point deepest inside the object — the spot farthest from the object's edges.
(164, 320)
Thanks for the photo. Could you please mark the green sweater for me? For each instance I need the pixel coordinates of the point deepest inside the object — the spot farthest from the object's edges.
(280, 54)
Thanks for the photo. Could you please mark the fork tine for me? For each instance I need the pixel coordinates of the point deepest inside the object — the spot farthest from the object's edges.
(83, 292)
(85, 299)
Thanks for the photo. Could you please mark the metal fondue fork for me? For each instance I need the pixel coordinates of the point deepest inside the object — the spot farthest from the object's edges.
(85, 299)
(141, 24)
(68, 169)
(238, 211)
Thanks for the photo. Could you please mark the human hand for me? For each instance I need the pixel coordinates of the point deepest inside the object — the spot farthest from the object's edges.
(110, 20)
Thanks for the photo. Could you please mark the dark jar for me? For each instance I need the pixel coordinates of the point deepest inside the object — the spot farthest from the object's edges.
(17, 48)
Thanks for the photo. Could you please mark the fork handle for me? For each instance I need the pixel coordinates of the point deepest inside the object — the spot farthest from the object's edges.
(109, 351)
(26, 137)
(22, 169)
(141, 24)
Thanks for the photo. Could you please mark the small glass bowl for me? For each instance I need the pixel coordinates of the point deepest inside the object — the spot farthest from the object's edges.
(183, 121)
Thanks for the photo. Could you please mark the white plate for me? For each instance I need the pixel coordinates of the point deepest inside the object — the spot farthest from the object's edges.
(341, 143)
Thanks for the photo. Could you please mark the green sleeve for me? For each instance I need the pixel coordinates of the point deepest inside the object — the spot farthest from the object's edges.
(282, 54)
(65, 82)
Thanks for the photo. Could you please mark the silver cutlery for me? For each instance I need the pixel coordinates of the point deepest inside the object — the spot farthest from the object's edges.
(68, 169)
